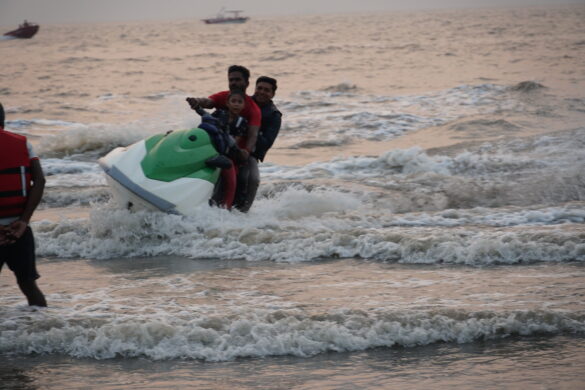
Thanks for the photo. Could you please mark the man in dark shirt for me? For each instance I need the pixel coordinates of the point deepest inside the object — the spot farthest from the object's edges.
(249, 175)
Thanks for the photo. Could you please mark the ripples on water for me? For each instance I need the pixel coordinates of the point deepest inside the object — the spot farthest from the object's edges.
(471, 235)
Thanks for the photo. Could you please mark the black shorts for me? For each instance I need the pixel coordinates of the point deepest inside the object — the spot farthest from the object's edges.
(20, 257)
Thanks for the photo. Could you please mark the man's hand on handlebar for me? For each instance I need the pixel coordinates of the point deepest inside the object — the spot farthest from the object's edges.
(193, 102)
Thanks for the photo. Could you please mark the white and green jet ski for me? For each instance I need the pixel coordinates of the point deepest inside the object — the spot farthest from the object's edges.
(173, 172)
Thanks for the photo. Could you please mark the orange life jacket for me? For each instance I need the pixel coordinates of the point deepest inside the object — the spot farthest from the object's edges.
(15, 179)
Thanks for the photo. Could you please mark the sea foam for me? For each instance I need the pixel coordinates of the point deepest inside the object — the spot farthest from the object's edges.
(300, 226)
(260, 332)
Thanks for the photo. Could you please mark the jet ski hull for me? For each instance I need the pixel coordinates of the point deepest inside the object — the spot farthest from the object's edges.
(132, 189)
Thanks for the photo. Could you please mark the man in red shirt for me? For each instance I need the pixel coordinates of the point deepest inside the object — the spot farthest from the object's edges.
(238, 79)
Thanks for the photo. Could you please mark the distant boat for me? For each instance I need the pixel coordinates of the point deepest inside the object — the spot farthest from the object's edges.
(25, 30)
(227, 16)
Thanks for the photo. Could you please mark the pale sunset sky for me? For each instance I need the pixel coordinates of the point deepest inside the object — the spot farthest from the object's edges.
(81, 11)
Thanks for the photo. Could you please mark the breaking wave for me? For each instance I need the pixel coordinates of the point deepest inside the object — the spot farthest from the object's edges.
(297, 226)
(194, 334)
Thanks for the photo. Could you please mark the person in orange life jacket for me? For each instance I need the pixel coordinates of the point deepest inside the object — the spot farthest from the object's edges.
(249, 175)
(230, 121)
(22, 183)
(238, 79)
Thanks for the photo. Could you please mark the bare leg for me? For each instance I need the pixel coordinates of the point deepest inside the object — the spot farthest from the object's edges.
(32, 292)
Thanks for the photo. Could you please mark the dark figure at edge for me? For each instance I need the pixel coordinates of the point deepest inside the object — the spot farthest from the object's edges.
(22, 183)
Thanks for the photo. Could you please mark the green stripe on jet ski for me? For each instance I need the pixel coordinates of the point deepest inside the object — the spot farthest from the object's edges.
(178, 154)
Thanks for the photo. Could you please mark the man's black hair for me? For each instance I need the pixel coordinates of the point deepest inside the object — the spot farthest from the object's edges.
(242, 69)
(269, 80)
(237, 92)
(1, 116)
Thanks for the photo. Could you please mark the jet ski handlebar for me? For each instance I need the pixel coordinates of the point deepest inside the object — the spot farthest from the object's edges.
(201, 111)
(193, 102)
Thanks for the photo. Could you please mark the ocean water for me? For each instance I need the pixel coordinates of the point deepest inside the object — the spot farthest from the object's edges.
(420, 221)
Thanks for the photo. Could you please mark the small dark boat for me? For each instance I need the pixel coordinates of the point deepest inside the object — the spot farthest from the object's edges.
(227, 16)
(25, 30)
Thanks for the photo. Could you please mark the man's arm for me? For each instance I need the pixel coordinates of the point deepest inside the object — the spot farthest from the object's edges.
(202, 102)
(252, 136)
(34, 198)
(254, 122)
(269, 132)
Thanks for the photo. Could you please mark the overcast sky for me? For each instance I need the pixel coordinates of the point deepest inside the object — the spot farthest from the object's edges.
(80, 11)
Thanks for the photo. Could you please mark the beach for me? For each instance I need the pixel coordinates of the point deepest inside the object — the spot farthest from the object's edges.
(420, 221)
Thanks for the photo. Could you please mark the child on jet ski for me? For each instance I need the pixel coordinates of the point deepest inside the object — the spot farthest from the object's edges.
(229, 118)
(230, 121)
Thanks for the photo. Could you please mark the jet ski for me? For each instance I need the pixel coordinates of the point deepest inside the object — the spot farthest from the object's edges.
(173, 172)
